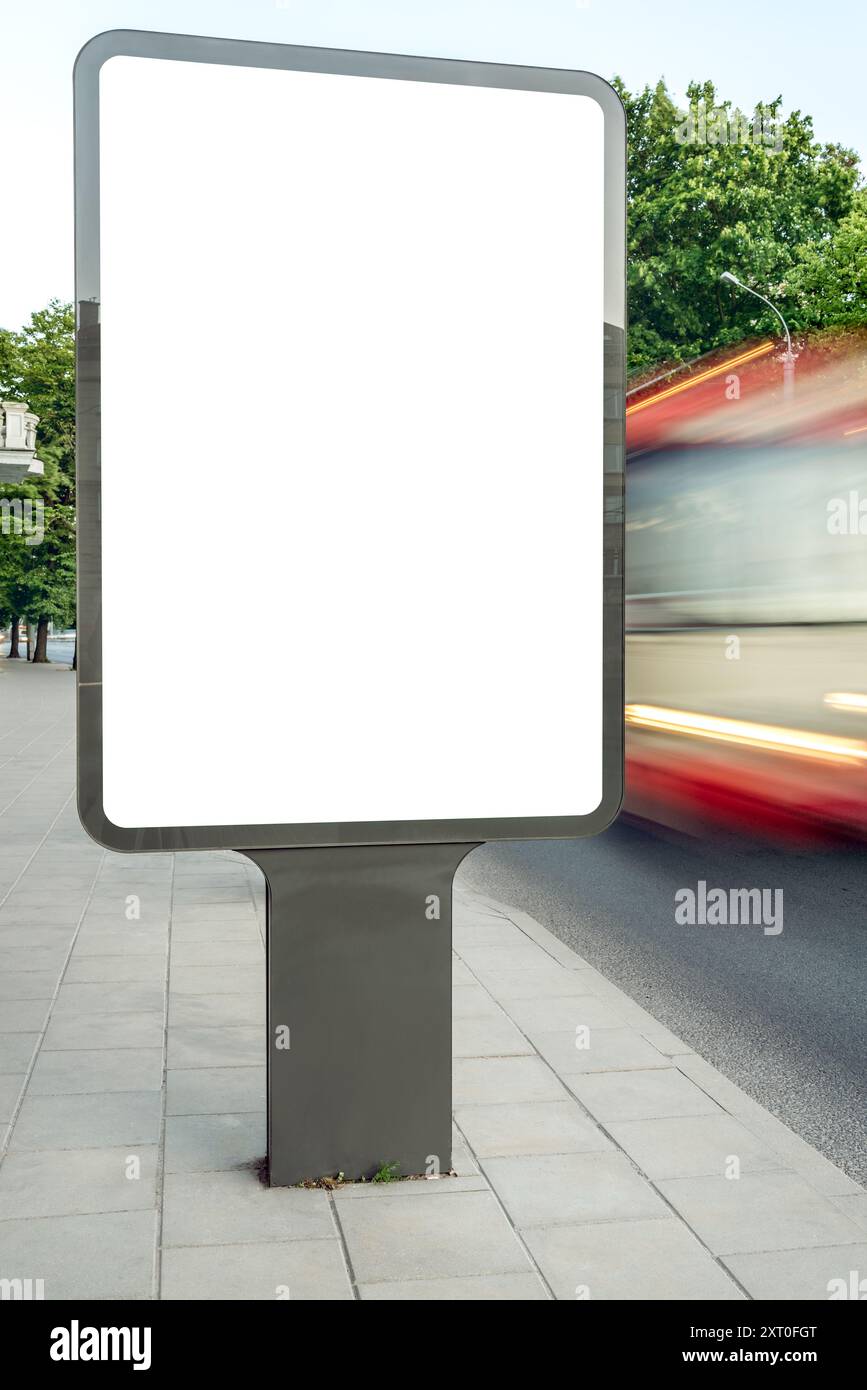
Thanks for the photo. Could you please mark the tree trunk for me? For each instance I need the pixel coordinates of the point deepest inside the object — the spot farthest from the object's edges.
(41, 652)
(75, 654)
(28, 637)
(14, 654)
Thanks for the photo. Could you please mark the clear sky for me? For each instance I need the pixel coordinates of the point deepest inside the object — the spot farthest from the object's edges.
(811, 54)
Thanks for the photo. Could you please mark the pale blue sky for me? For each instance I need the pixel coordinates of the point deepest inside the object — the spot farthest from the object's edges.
(811, 53)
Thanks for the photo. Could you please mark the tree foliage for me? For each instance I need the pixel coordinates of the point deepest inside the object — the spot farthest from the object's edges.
(712, 189)
(37, 365)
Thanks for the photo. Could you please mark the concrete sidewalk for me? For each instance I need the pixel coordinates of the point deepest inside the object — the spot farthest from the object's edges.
(596, 1154)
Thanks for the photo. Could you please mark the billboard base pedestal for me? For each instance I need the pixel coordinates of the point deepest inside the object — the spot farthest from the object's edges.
(359, 952)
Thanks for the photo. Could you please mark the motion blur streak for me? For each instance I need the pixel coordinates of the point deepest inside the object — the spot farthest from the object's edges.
(840, 700)
(739, 731)
(725, 366)
(746, 593)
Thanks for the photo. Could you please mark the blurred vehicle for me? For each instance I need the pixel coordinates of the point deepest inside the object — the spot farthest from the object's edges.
(746, 581)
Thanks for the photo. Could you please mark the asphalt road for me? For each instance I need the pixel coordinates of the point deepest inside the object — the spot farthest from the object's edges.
(783, 1016)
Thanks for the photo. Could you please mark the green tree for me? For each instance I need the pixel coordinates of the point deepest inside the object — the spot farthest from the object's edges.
(828, 282)
(709, 190)
(37, 364)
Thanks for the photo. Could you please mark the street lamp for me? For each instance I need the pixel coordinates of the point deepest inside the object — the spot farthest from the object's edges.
(789, 359)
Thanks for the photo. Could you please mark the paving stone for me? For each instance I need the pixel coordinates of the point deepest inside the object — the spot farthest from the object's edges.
(105, 999)
(27, 984)
(608, 1049)
(546, 1127)
(16, 1051)
(452, 1234)
(554, 1189)
(217, 1010)
(300, 1271)
(217, 979)
(215, 1091)
(759, 1211)
(108, 1256)
(10, 1090)
(549, 981)
(78, 1032)
(498, 1080)
(479, 1288)
(652, 1260)
(692, 1146)
(234, 1207)
(88, 1121)
(639, 1095)
(115, 969)
(471, 1001)
(70, 1182)
(211, 1143)
(216, 1047)
(227, 953)
(97, 1071)
(838, 1271)
(23, 1015)
(488, 1037)
(566, 1014)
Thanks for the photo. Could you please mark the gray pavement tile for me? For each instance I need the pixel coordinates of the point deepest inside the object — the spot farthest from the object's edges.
(478, 1288)
(214, 933)
(88, 1121)
(453, 1235)
(78, 1032)
(553, 1189)
(232, 954)
(14, 937)
(92, 941)
(492, 932)
(854, 1205)
(106, 998)
(565, 1014)
(550, 981)
(693, 1146)
(16, 1050)
(544, 1127)
(216, 1047)
(215, 1091)
(98, 1070)
(10, 1090)
(460, 974)
(95, 1256)
(115, 969)
(27, 984)
(821, 1174)
(70, 1182)
(234, 913)
(656, 1260)
(23, 1015)
(523, 955)
(217, 1010)
(22, 958)
(213, 1143)
(502, 1080)
(836, 1272)
(758, 1211)
(234, 1207)
(300, 1270)
(665, 1041)
(488, 1037)
(639, 1095)
(217, 979)
(471, 1001)
(602, 1050)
